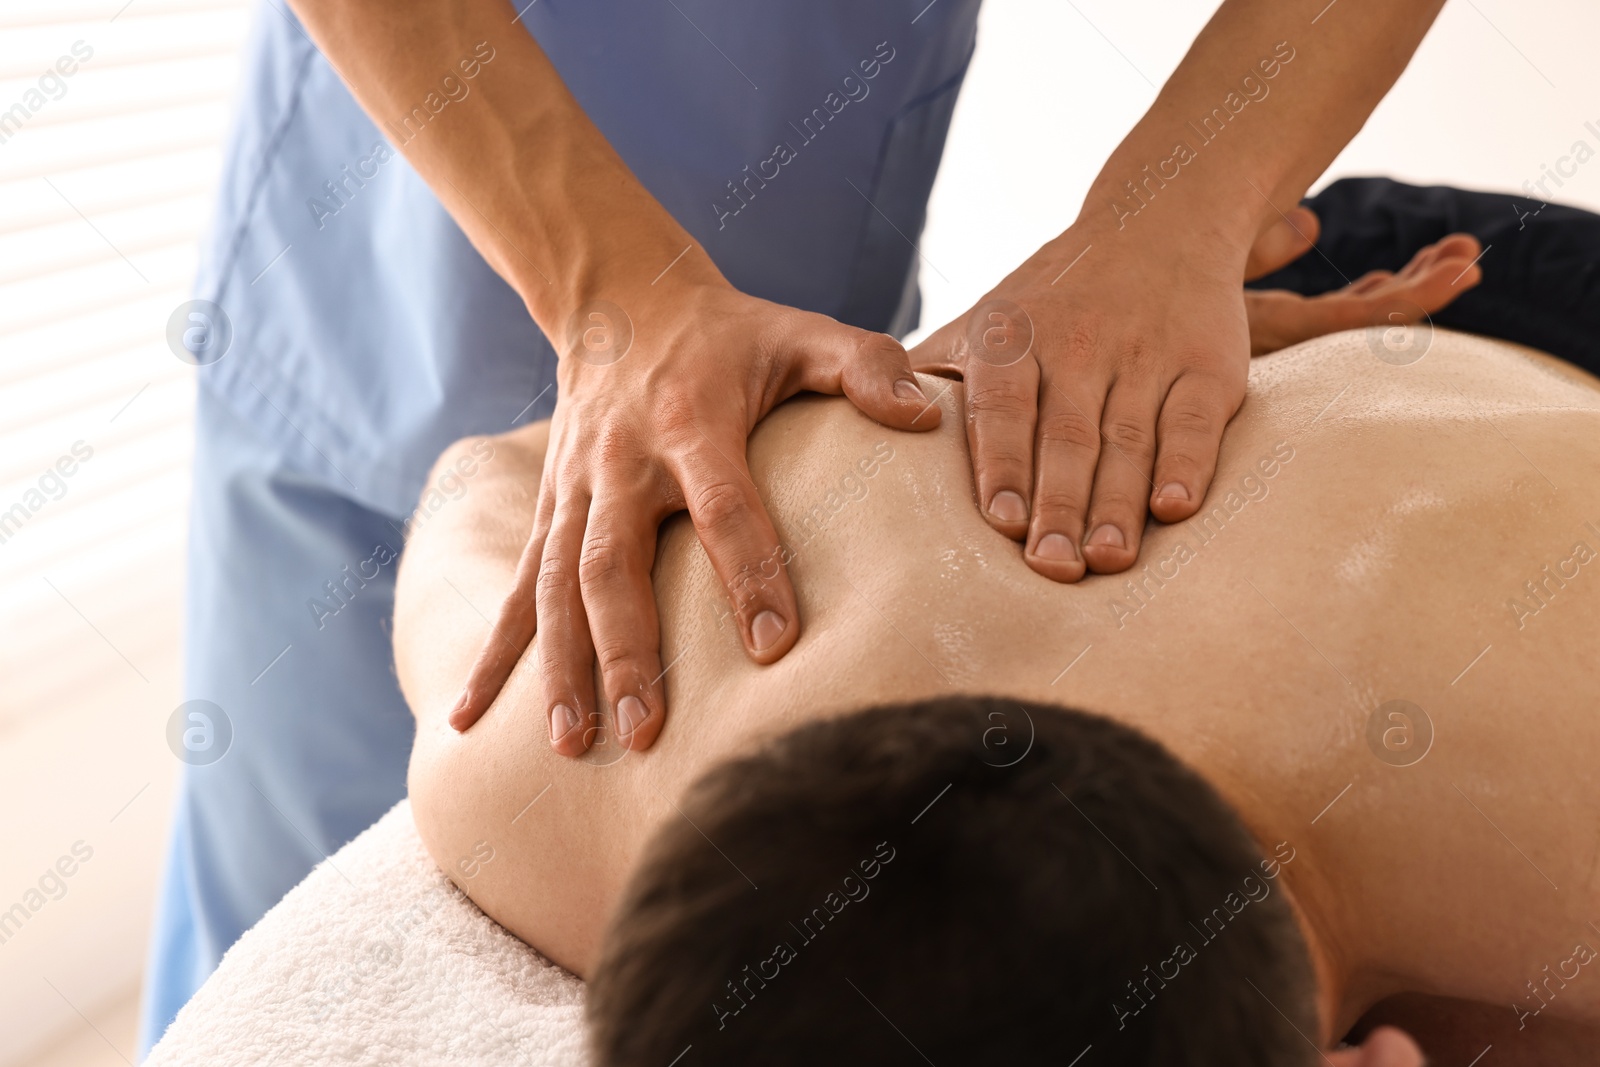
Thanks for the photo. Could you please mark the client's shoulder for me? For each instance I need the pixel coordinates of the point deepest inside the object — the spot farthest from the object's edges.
(515, 454)
(481, 487)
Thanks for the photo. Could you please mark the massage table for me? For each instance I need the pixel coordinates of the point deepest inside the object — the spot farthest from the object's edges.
(376, 958)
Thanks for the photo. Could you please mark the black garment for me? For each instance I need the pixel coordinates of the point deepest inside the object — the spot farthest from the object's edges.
(1541, 265)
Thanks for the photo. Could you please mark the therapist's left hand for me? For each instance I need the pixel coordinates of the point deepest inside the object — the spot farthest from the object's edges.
(1099, 377)
(1099, 387)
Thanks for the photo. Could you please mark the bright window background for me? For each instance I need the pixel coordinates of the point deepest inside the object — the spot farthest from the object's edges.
(104, 191)
(106, 179)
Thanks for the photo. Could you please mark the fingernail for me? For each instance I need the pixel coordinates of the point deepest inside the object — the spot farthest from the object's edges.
(1055, 546)
(765, 630)
(908, 389)
(563, 720)
(1175, 490)
(630, 713)
(1008, 507)
(1109, 535)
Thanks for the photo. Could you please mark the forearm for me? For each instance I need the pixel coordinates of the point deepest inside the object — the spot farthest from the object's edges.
(513, 158)
(1257, 110)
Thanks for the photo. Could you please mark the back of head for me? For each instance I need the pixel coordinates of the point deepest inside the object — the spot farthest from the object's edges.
(898, 886)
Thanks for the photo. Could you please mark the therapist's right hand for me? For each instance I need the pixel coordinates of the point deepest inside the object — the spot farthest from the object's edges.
(642, 428)
(659, 391)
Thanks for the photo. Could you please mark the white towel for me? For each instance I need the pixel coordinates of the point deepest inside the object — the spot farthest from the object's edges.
(376, 958)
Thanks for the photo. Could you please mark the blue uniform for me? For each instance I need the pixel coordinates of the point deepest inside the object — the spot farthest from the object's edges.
(796, 141)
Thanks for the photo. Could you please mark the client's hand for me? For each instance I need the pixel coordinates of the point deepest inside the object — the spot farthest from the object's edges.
(1278, 318)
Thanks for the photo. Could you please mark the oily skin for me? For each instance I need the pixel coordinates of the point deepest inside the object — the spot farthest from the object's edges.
(1145, 348)
(1375, 565)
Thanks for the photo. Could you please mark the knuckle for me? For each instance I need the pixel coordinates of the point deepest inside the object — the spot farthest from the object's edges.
(750, 585)
(1190, 420)
(1114, 504)
(613, 449)
(555, 574)
(1179, 462)
(676, 412)
(603, 559)
(1056, 502)
(1003, 455)
(1070, 429)
(867, 346)
(1076, 341)
(1005, 394)
(1133, 359)
(879, 347)
(569, 473)
(717, 507)
(1129, 433)
(610, 654)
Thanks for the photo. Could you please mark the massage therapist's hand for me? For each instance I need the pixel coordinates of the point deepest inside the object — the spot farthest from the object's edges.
(1099, 377)
(648, 428)
(1101, 372)
(1085, 401)
(642, 428)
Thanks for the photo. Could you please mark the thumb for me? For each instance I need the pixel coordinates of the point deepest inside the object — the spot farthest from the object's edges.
(872, 370)
(1284, 240)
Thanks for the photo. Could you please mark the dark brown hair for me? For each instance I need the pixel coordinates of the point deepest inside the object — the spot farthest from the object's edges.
(960, 881)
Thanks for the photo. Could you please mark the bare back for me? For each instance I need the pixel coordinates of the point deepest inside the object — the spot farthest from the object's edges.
(1380, 540)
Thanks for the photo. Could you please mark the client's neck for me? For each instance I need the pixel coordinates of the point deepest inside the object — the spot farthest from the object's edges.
(1352, 974)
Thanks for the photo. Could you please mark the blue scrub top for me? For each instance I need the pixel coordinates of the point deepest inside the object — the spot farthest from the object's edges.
(797, 141)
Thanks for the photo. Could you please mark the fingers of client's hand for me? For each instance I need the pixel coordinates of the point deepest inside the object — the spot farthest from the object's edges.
(743, 546)
(1433, 278)
(512, 630)
(1441, 272)
(566, 654)
(614, 574)
(1002, 409)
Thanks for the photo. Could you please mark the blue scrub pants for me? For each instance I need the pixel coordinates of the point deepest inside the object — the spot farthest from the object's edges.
(278, 559)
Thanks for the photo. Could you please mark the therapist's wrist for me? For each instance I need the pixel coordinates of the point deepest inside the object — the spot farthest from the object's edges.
(1134, 203)
(631, 265)
(1193, 234)
(1221, 194)
(610, 301)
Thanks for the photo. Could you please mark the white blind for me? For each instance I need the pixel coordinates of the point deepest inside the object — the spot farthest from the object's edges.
(111, 115)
